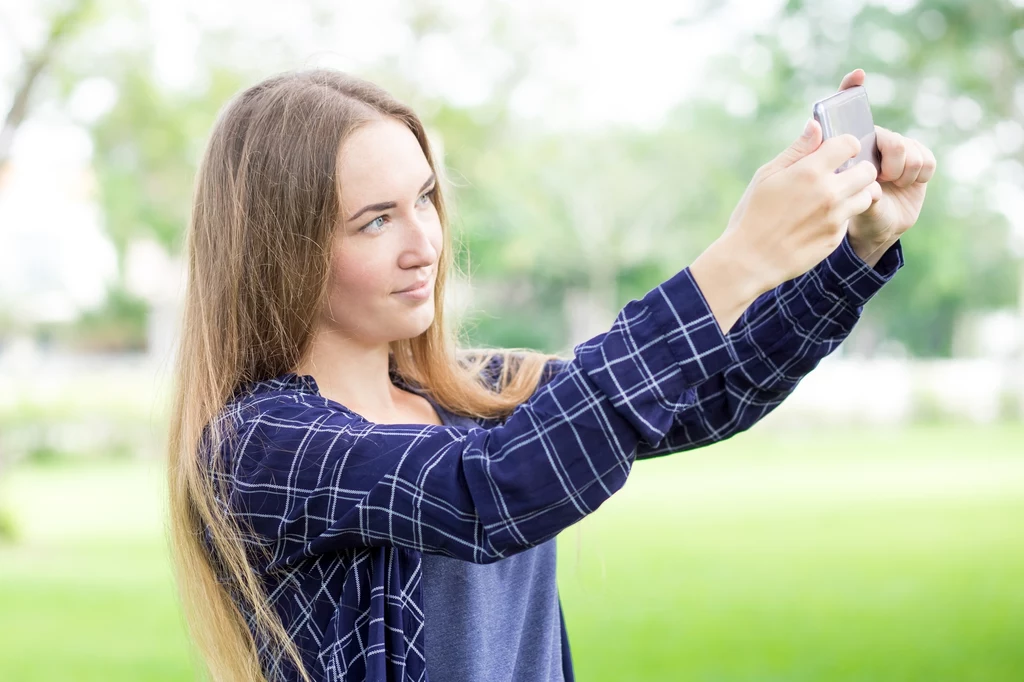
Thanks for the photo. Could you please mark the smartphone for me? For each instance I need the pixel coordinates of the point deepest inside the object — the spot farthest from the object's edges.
(845, 112)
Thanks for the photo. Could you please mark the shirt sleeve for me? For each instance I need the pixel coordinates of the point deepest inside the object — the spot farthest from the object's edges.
(779, 339)
(307, 476)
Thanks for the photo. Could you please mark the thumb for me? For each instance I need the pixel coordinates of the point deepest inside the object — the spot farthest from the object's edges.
(804, 145)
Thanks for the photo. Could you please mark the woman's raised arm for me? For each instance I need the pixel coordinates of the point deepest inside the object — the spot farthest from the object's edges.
(308, 476)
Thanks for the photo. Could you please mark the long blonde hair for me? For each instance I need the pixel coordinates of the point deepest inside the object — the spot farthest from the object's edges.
(265, 207)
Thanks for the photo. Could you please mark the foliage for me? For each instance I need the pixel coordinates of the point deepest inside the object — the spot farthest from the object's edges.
(614, 212)
(8, 529)
(119, 324)
(944, 72)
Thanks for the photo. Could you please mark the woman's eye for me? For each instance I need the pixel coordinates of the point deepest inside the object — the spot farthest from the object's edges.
(429, 193)
(371, 226)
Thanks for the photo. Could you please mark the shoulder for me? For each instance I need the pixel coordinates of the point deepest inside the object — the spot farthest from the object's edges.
(285, 395)
(281, 413)
(288, 414)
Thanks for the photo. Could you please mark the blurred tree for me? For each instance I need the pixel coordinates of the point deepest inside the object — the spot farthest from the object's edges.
(119, 325)
(71, 49)
(63, 22)
(942, 71)
(147, 148)
(559, 231)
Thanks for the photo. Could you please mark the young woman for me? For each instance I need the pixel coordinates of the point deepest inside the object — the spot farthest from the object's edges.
(355, 498)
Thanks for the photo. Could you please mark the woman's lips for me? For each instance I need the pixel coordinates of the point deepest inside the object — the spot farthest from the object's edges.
(421, 292)
(415, 288)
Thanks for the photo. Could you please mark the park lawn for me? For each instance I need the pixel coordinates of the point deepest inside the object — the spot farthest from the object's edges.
(90, 613)
(840, 555)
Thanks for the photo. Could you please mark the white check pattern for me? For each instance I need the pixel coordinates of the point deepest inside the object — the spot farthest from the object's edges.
(341, 508)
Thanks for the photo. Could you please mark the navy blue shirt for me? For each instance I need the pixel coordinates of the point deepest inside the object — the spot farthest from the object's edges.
(344, 508)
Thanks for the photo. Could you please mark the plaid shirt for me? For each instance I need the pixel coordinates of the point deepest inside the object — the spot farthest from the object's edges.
(342, 507)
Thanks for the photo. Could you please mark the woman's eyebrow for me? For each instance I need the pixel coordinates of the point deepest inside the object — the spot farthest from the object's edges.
(388, 204)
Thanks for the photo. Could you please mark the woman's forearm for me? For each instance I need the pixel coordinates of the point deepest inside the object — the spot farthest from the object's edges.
(729, 280)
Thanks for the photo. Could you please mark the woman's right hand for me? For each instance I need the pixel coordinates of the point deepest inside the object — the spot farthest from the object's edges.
(793, 214)
(796, 209)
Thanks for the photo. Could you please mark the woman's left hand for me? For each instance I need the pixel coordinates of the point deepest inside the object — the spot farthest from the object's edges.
(907, 166)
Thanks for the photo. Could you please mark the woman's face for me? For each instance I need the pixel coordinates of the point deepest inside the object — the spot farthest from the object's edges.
(380, 250)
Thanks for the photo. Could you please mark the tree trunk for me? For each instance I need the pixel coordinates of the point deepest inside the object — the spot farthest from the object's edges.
(62, 27)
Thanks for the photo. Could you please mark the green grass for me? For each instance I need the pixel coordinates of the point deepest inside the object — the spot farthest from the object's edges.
(93, 612)
(840, 556)
(874, 556)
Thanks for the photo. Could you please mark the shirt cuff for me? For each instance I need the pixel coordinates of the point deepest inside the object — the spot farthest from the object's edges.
(684, 318)
(853, 279)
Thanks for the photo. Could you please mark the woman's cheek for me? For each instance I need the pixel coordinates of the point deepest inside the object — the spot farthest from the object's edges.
(355, 277)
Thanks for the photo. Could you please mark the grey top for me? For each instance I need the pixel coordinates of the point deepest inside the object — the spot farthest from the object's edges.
(497, 622)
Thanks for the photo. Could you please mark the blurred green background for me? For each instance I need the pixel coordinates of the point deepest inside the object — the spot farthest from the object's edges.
(872, 528)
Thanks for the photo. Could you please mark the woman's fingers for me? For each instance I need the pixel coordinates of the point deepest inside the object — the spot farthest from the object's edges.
(904, 160)
(875, 190)
(855, 77)
(856, 204)
(831, 154)
(893, 148)
(855, 179)
(912, 167)
(928, 167)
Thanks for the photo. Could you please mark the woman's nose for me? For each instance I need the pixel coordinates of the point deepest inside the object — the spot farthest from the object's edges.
(421, 234)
